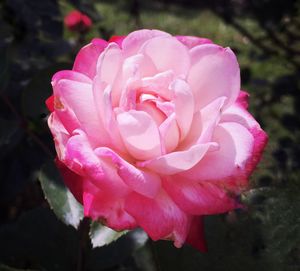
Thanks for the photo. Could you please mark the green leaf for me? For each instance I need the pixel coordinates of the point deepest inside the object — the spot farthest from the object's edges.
(60, 199)
(116, 254)
(101, 235)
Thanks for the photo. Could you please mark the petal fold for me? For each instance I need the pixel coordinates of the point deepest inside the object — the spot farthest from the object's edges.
(142, 181)
(236, 144)
(179, 161)
(140, 134)
(184, 105)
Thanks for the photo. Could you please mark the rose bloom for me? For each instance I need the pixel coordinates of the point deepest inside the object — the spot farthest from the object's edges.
(152, 131)
(76, 21)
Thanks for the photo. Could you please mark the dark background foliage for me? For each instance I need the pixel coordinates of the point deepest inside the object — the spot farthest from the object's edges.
(34, 43)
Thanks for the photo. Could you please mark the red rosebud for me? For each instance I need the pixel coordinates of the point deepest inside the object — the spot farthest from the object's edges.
(76, 21)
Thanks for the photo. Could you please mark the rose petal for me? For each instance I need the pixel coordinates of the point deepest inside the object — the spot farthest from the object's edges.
(79, 97)
(109, 63)
(62, 108)
(196, 234)
(128, 97)
(169, 134)
(159, 217)
(72, 180)
(142, 181)
(50, 103)
(184, 105)
(167, 54)
(210, 117)
(106, 207)
(214, 73)
(236, 144)
(199, 198)
(117, 39)
(175, 162)
(194, 133)
(140, 134)
(60, 134)
(151, 110)
(70, 75)
(106, 114)
(191, 41)
(132, 43)
(86, 59)
(81, 158)
(158, 84)
(238, 114)
(243, 98)
(203, 124)
(168, 108)
(137, 66)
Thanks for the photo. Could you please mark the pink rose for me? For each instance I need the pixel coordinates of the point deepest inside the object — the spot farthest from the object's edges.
(152, 131)
(78, 22)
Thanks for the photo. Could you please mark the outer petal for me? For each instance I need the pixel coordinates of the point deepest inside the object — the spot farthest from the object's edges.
(144, 182)
(196, 234)
(191, 41)
(238, 114)
(107, 207)
(117, 39)
(214, 73)
(132, 43)
(50, 103)
(179, 161)
(140, 134)
(60, 134)
(159, 217)
(110, 63)
(81, 158)
(72, 180)
(64, 110)
(70, 75)
(86, 59)
(79, 97)
(243, 98)
(236, 145)
(199, 198)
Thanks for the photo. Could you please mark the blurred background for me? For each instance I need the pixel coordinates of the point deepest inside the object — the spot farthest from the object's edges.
(35, 42)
